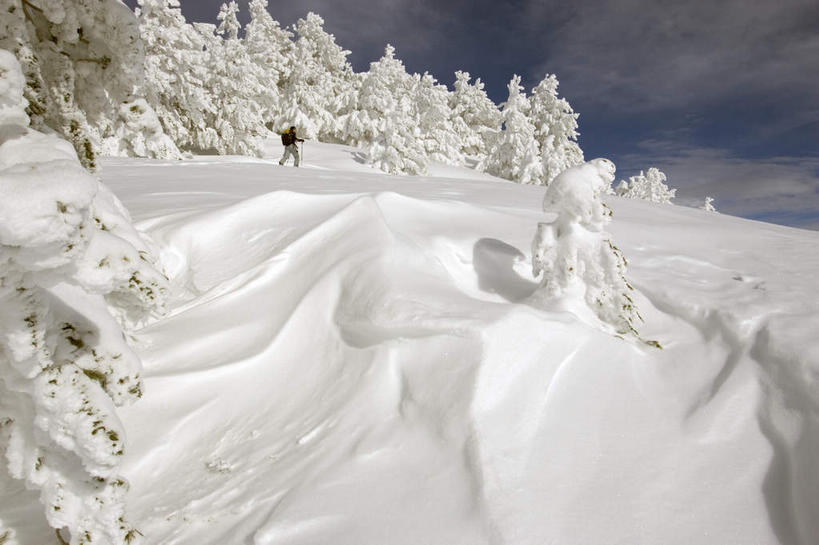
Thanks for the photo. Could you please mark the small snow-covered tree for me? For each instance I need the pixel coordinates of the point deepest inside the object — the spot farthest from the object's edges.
(515, 155)
(385, 122)
(440, 140)
(555, 129)
(82, 59)
(583, 271)
(708, 205)
(648, 187)
(476, 118)
(73, 274)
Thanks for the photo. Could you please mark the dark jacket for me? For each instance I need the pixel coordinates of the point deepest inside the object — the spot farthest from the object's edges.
(289, 137)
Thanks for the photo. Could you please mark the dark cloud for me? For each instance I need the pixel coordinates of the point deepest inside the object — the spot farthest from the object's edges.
(652, 55)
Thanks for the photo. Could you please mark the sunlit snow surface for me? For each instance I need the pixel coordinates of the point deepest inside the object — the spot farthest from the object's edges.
(350, 358)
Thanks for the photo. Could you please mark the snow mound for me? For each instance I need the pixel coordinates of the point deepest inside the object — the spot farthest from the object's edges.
(355, 359)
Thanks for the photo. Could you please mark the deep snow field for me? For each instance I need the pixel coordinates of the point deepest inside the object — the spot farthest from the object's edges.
(351, 358)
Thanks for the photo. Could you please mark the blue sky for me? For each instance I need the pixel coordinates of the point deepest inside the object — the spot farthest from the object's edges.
(721, 96)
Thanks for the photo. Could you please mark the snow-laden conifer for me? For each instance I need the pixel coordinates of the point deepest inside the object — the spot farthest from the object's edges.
(515, 155)
(70, 261)
(708, 205)
(385, 123)
(476, 118)
(440, 140)
(82, 59)
(555, 129)
(650, 187)
(270, 48)
(318, 83)
(235, 86)
(177, 75)
(583, 271)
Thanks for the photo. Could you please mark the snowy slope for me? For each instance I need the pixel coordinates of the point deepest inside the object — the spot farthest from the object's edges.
(350, 358)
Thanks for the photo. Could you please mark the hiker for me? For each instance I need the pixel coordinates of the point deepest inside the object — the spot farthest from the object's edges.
(289, 140)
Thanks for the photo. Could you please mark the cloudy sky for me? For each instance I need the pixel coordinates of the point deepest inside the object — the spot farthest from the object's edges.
(722, 96)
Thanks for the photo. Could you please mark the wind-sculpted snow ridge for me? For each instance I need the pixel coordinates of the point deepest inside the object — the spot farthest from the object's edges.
(350, 365)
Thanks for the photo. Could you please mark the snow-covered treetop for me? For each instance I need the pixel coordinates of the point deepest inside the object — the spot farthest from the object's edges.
(650, 187)
(576, 194)
(228, 21)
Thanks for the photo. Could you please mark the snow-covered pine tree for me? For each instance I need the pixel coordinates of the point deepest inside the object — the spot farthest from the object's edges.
(318, 85)
(708, 205)
(476, 119)
(583, 271)
(515, 155)
(555, 129)
(69, 256)
(176, 75)
(385, 122)
(271, 51)
(440, 140)
(82, 60)
(235, 87)
(650, 187)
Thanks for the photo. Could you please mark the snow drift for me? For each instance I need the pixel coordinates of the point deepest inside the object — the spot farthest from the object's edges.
(353, 358)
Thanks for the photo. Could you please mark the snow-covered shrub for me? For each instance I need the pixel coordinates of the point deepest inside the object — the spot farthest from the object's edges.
(648, 187)
(514, 155)
(583, 271)
(555, 129)
(708, 205)
(70, 261)
(81, 60)
(139, 133)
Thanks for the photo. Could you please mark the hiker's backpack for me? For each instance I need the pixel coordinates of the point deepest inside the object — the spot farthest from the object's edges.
(286, 138)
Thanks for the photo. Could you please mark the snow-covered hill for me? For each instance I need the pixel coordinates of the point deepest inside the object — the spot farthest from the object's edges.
(351, 358)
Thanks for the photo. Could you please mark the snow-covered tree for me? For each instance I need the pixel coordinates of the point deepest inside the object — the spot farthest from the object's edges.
(73, 273)
(318, 83)
(271, 49)
(515, 155)
(385, 122)
(440, 140)
(555, 129)
(708, 205)
(177, 74)
(476, 118)
(583, 271)
(82, 59)
(648, 187)
(235, 87)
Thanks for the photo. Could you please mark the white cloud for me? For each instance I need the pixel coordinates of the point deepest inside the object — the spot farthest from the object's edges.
(777, 189)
